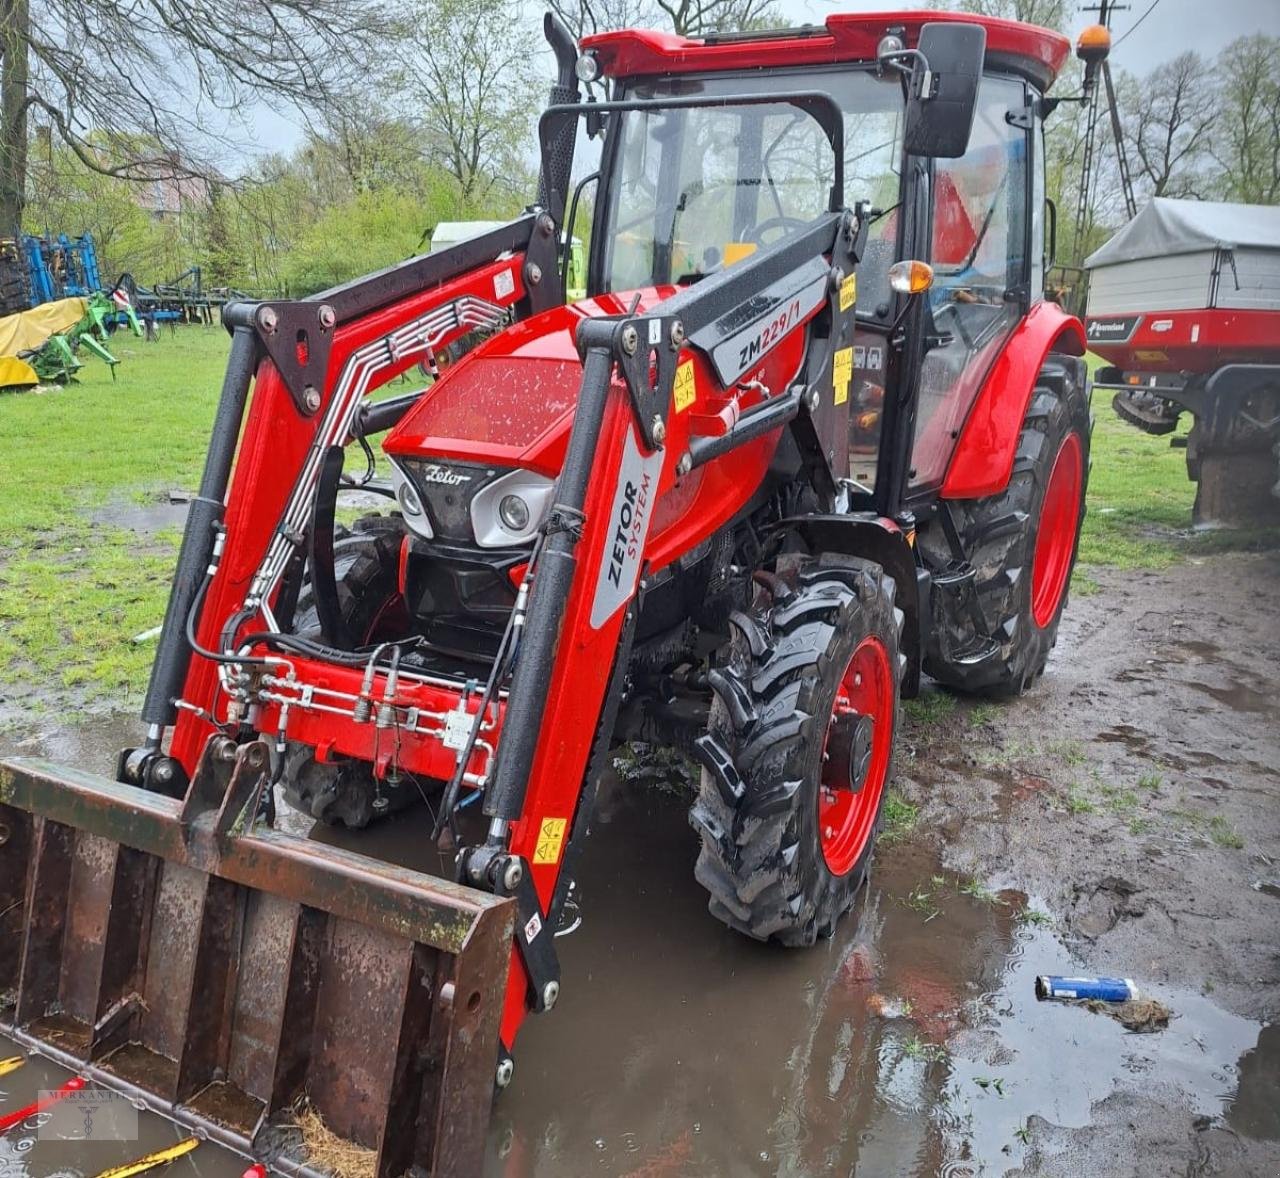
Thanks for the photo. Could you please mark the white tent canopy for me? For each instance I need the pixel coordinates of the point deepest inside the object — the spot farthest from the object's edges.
(1166, 227)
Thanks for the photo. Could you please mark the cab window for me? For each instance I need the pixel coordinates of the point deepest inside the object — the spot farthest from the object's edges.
(979, 256)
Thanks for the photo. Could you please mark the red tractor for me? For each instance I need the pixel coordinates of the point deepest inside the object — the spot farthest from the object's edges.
(813, 431)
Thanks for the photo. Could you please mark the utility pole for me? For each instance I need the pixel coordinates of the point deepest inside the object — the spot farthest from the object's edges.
(1105, 9)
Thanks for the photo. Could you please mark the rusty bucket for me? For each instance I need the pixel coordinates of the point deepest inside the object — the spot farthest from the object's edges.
(221, 973)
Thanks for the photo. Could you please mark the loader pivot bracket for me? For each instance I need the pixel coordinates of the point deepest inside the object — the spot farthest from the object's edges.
(496, 870)
(646, 350)
(151, 770)
(297, 335)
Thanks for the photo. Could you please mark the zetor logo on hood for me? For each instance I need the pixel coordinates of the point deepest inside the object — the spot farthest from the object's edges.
(433, 472)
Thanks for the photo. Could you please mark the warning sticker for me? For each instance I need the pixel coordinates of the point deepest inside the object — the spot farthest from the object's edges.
(550, 836)
(683, 390)
(533, 926)
(848, 291)
(842, 374)
(504, 283)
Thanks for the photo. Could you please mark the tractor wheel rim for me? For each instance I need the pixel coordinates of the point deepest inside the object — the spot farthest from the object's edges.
(848, 804)
(1056, 536)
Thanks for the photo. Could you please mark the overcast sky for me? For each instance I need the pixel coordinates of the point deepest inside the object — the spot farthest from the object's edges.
(1170, 27)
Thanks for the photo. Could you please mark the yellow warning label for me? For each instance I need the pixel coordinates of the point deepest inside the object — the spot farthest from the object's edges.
(842, 374)
(684, 390)
(550, 836)
(848, 291)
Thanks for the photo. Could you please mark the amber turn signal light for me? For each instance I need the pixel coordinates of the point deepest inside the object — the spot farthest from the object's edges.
(1093, 44)
(911, 277)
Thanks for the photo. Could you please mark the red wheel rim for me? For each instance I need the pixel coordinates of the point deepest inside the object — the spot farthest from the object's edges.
(1056, 537)
(855, 759)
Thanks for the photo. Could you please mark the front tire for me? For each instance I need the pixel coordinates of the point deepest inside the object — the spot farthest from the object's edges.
(1021, 544)
(799, 749)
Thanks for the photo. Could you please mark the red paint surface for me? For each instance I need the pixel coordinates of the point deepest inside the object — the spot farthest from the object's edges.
(1056, 535)
(1194, 341)
(983, 457)
(847, 37)
(845, 818)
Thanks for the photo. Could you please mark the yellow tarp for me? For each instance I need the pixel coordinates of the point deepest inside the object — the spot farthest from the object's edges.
(28, 330)
(15, 373)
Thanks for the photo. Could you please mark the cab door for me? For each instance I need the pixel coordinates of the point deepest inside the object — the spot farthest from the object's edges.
(980, 251)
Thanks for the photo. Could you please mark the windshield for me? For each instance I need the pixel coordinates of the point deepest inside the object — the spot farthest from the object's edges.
(697, 189)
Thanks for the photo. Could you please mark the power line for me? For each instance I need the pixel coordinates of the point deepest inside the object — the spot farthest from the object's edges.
(1137, 22)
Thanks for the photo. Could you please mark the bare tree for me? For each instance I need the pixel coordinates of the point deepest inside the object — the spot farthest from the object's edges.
(470, 76)
(158, 80)
(696, 18)
(1050, 14)
(1247, 146)
(585, 17)
(1168, 121)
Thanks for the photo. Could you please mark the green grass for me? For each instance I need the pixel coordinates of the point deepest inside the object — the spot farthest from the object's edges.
(1140, 502)
(1036, 917)
(1139, 497)
(930, 708)
(1078, 802)
(74, 593)
(1224, 834)
(917, 1048)
(76, 447)
(898, 818)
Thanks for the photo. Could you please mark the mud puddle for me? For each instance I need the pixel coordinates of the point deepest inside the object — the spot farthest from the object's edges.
(912, 1043)
(146, 519)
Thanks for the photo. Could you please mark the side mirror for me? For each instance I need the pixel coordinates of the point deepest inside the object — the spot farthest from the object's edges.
(943, 89)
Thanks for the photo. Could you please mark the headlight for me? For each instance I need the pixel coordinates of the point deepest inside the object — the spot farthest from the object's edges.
(510, 510)
(410, 503)
(513, 512)
(407, 497)
(587, 67)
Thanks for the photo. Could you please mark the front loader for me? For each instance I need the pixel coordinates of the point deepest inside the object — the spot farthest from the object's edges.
(812, 432)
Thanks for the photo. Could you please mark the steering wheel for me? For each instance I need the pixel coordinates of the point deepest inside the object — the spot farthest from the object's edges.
(782, 223)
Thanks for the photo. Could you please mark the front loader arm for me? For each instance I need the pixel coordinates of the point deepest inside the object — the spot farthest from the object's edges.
(630, 441)
(311, 363)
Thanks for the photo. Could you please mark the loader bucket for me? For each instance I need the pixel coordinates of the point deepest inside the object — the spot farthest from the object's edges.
(222, 974)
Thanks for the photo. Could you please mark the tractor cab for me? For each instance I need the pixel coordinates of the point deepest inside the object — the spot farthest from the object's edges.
(688, 191)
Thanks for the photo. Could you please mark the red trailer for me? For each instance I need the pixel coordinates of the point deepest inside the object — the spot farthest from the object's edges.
(1184, 305)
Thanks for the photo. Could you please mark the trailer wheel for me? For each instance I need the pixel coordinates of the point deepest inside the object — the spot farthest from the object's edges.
(799, 749)
(1021, 544)
(366, 561)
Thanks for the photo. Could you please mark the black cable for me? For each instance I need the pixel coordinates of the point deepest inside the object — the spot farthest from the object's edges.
(1136, 23)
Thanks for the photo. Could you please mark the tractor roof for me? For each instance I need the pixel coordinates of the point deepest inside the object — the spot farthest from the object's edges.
(1038, 54)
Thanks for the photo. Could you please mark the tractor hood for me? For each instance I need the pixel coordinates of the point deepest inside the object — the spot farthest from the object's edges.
(509, 402)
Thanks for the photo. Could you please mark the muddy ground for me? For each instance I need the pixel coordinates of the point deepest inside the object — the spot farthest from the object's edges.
(1123, 818)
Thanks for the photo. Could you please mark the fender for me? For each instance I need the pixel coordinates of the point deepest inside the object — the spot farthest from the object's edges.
(983, 459)
(876, 538)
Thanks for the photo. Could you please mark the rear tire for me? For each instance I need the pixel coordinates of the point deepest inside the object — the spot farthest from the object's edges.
(813, 668)
(1022, 544)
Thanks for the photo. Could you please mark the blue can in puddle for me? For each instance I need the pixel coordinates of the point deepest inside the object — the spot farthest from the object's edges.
(1102, 989)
